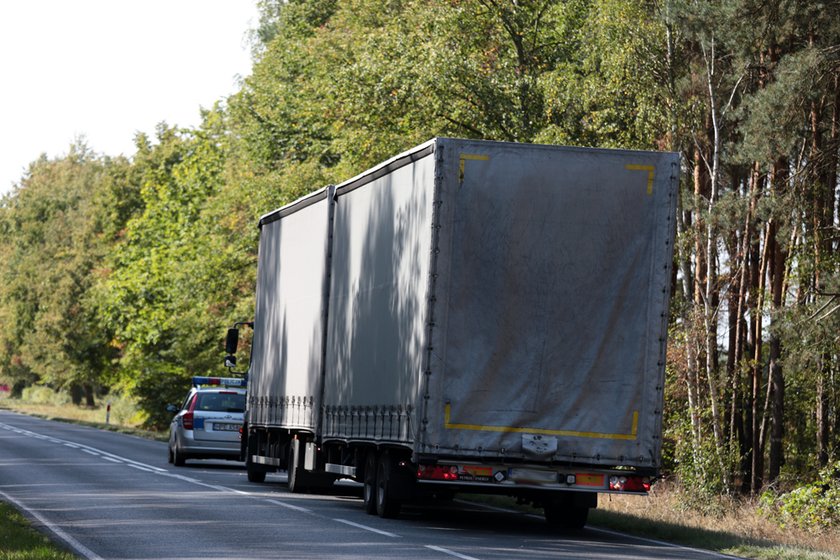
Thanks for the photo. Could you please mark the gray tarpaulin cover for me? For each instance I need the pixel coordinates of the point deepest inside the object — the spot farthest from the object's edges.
(284, 378)
(485, 299)
(553, 315)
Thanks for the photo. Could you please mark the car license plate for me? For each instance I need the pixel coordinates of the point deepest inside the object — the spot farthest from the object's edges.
(226, 427)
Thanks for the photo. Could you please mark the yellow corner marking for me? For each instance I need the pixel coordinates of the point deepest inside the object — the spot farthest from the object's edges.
(649, 168)
(470, 157)
(447, 413)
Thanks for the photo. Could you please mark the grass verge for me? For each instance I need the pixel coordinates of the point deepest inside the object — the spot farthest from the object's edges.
(19, 541)
(735, 528)
(91, 417)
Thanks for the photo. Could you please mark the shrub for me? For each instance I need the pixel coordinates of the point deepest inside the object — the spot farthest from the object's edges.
(814, 506)
(39, 394)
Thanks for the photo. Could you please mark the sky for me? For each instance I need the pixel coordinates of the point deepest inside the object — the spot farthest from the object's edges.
(104, 70)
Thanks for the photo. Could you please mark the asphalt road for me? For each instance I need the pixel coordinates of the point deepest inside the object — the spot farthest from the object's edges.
(108, 495)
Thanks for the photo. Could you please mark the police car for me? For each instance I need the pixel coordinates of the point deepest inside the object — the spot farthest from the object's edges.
(208, 423)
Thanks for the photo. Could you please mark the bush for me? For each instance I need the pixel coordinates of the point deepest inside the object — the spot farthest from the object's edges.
(124, 410)
(39, 394)
(154, 389)
(814, 506)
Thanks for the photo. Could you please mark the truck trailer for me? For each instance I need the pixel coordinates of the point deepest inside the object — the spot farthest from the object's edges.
(468, 316)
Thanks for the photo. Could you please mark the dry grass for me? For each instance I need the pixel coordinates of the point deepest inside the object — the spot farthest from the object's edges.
(55, 411)
(94, 417)
(727, 525)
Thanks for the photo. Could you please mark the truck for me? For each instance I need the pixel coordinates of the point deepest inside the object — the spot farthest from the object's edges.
(467, 317)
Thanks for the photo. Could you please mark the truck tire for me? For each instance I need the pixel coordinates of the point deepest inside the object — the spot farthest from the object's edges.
(565, 514)
(387, 505)
(369, 492)
(297, 478)
(255, 474)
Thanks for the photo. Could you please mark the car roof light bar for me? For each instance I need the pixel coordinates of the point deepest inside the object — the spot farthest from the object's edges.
(219, 381)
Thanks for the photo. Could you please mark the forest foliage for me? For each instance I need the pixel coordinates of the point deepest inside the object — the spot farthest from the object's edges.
(121, 274)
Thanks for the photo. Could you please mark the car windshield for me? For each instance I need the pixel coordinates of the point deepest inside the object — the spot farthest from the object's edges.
(221, 402)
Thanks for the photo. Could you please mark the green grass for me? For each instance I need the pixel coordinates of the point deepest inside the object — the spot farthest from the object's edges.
(19, 541)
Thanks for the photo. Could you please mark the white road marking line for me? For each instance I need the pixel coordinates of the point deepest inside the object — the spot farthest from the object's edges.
(74, 544)
(112, 460)
(451, 552)
(366, 528)
(289, 506)
(711, 553)
(89, 452)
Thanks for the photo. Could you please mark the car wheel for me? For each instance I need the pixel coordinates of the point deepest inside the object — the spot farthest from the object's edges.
(178, 458)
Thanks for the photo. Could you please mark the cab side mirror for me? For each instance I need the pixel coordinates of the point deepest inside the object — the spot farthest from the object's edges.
(232, 341)
(231, 345)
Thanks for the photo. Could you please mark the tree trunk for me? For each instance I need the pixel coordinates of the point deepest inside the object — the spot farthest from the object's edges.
(822, 415)
(757, 469)
(777, 381)
(746, 284)
(89, 395)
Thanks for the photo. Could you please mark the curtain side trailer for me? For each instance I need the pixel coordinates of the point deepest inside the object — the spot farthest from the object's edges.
(468, 316)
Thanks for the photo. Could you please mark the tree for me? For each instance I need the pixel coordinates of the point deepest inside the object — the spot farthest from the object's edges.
(54, 245)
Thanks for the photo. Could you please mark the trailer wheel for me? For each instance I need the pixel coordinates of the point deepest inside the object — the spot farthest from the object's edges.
(386, 504)
(296, 476)
(564, 514)
(369, 493)
(255, 474)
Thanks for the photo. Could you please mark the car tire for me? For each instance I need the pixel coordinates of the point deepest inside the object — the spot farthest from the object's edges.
(178, 458)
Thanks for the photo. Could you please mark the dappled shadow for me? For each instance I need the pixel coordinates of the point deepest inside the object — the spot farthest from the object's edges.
(378, 296)
(289, 321)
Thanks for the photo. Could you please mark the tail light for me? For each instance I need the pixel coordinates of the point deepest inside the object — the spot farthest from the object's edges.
(187, 420)
(630, 483)
(437, 472)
